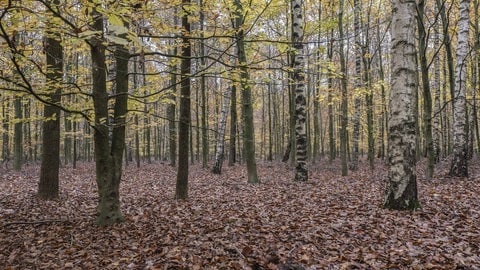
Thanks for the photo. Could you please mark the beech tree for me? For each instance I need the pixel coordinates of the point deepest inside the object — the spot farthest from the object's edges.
(181, 191)
(246, 93)
(401, 192)
(48, 184)
(108, 150)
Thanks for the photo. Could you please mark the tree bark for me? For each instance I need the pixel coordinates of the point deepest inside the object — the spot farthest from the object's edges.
(48, 186)
(181, 190)
(18, 135)
(108, 156)
(247, 104)
(427, 96)
(358, 84)
(301, 171)
(343, 83)
(401, 192)
(172, 127)
(459, 165)
(222, 125)
(232, 158)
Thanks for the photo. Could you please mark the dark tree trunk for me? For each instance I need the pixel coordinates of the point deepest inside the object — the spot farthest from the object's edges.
(48, 185)
(181, 191)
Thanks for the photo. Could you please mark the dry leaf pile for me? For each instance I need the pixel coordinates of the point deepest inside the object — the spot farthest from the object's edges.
(330, 222)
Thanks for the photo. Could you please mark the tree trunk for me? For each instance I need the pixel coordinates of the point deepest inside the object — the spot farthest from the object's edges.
(247, 104)
(233, 127)
(343, 83)
(48, 184)
(358, 84)
(172, 129)
(459, 163)
(331, 136)
(107, 171)
(401, 192)
(427, 96)
(301, 171)
(5, 133)
(436, 127)
(203, 91)
(181, 190)
(448, 45)
(18, 135)
(222, 125)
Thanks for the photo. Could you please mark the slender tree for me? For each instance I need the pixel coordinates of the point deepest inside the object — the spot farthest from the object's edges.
(181, 191)
(222, 125)
(357, 84)
(401, 192)
(459, 163)
(301, 171)
(343, 83)
(232, 158)
(427, 96)
(247, 104)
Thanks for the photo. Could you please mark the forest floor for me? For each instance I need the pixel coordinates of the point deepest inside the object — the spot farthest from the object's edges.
(330, 222)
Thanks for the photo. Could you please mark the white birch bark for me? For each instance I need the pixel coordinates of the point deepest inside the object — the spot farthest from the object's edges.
(459, 162)
(301, 173)
(401, 192)
(222, 125)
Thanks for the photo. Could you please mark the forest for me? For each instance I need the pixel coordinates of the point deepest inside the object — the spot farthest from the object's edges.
(239, 134)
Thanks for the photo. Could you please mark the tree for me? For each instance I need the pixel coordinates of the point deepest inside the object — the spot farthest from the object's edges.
(222, 125)
(459, 165)
(301, 171)
(108, 154)
(172, 130)
(181, 191)
(48, 184)
(427, 96)
(343, 83)
(401, 192)
(232, 158)
(247, 104)
(357, 84)
(18, 134)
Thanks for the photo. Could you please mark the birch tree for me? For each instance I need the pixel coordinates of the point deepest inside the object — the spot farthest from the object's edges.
(401, 192)
(301, 171)
(222, 125)
(459, 163)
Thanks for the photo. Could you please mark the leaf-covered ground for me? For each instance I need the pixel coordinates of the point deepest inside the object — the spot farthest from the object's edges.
(331, 222)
